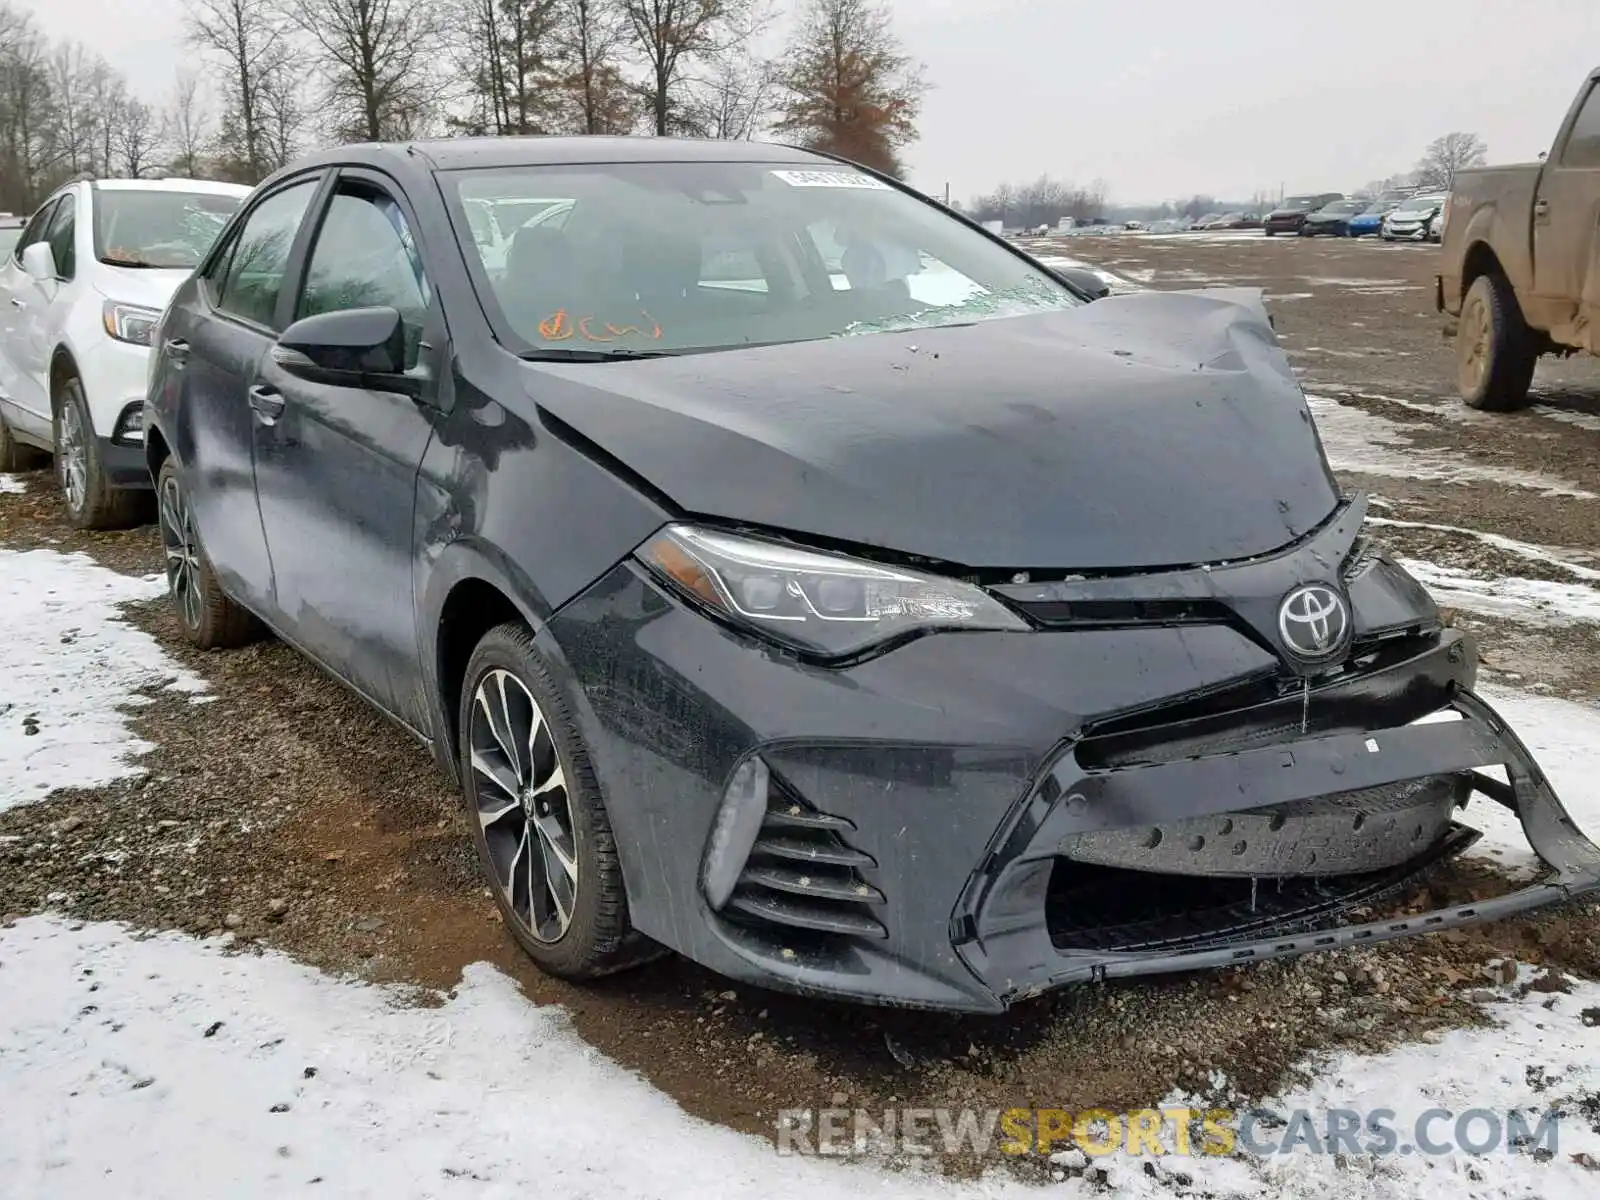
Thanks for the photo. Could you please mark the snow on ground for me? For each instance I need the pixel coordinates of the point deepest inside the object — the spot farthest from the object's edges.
(114, 1085)
(1539, 602)
(11, 485)
(1357, 440)
(69, 664)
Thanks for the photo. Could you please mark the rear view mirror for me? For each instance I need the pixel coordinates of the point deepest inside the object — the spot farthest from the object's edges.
(354, 347)
(39, 262)
(1083, 280)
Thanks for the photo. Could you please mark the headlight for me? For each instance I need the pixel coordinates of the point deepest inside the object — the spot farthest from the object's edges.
(822, 604)
(130, 322)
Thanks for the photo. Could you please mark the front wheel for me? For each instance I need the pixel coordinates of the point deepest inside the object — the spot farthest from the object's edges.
(537, 817)
(91, 500)
(1495, 350)
(210, 619)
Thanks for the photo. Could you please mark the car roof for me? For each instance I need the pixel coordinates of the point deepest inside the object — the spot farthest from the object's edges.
(171, 185)
(454, 154)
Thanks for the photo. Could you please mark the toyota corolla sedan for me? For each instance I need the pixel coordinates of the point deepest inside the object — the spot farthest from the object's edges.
(798, 578)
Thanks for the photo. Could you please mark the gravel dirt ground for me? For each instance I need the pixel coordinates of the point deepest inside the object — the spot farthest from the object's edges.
(287, 812)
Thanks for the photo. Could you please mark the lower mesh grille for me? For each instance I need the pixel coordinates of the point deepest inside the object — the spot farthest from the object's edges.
(804, 874)
(1117, 910)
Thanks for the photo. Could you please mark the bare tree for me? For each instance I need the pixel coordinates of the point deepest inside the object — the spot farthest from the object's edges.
(672, 35)
(247, 42)
(28, 151)
(282, 117)
(849, 89)
(71, 91)
(188, 125)
(136, 136)
(589, 35)
(733, 95)
(375, 57)
(1448, 154)
(507, 52)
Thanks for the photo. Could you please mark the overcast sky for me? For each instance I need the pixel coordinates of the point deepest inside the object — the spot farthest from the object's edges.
(1160, 98)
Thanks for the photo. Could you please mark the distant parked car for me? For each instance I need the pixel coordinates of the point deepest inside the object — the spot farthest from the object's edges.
(1292, 213)
(1415, 219)
(1332, 220)
(1370, 219)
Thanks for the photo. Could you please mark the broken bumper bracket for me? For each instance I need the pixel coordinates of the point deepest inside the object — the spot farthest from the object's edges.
(1009, 947)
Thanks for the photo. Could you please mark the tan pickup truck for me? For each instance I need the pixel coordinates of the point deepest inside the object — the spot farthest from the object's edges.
(1521, 268)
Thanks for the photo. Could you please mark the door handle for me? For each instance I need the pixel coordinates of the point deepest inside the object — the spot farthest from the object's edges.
(177, 350)
(16, 303)
(1541, 208)
(267, 403)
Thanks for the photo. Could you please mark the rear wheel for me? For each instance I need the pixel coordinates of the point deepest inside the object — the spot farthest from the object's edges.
(1495, 349)
(537, 817)
(91, 501)
(210, 619)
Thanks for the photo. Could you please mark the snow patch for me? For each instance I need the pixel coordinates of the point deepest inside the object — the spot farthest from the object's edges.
(70, 665)
(1545, 554)
(1359, 441)
(1540, 602)
(11, 485)
(305, 1079)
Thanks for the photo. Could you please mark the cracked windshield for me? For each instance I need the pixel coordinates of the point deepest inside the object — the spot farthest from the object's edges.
(689, 257)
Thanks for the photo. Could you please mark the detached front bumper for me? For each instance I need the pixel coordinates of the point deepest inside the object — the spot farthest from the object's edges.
(1016, 947)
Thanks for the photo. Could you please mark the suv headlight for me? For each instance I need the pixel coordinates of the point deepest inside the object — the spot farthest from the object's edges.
(130, 322)
(822, 604)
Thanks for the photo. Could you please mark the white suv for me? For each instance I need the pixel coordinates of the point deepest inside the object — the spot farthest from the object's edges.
(80, 295)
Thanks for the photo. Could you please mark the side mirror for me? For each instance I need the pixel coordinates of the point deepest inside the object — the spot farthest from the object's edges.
(1084, 281)
(39, 262)
(354, 347)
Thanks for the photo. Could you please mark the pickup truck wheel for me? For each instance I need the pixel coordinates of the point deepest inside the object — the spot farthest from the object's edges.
(92, 503)
(1495, 350)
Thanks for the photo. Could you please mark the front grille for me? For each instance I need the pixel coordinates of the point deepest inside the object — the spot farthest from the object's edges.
(804, 874)
(1090, 614)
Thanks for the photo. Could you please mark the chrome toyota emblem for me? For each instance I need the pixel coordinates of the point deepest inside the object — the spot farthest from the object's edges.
(1314, 622)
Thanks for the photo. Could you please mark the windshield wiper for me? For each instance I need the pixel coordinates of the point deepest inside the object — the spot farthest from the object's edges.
(130, 262)
(568, 354)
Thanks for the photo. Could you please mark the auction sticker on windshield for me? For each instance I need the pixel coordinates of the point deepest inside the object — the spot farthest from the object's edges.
(831, 179)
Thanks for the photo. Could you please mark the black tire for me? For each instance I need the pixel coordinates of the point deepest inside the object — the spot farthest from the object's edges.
(209, 618)
(1495, 350)
(1270, 233)
(598, 937)
(92, 502)
(14, 456)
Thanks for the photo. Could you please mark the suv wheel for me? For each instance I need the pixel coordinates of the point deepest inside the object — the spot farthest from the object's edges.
(1495, 350)
(92, 503)
(210, 620)
(536, 815)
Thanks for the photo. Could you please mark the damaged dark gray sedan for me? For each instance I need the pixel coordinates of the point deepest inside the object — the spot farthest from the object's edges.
(797, 577)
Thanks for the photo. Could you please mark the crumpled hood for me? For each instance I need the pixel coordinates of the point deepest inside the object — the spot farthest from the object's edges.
(1155, 429)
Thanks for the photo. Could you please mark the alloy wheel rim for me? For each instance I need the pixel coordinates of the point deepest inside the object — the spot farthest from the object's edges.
(73, 458)
(524, 805)
(183, 554)
(1475, 346)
